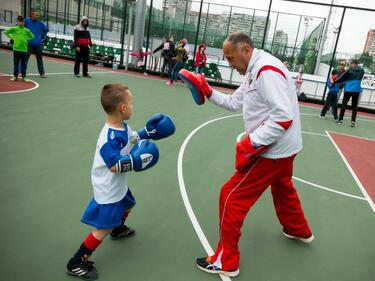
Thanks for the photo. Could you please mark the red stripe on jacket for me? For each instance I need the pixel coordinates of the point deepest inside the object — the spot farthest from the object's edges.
(285, 124)
(270, 67)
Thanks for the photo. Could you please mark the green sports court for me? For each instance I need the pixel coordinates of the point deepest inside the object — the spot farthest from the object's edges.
(47, 144)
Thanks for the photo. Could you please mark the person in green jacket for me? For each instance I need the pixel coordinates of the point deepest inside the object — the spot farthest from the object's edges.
(21, 37)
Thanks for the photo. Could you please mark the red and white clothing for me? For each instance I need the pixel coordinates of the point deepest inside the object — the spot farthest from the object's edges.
(271, 117)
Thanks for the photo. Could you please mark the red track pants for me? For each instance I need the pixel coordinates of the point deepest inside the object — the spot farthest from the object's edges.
(240, 193)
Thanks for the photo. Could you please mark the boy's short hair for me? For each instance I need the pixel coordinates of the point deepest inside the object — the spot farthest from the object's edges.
(20, 18)
(112, 95)
(334, 72)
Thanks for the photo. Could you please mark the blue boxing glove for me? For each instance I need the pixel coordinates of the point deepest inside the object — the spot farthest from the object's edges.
(143, 156)
(158, 127)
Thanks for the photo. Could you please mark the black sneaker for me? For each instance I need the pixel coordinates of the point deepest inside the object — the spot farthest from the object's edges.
(121, 232)
(87, 76)
(84, 270)
(77, 76)
(205, 265)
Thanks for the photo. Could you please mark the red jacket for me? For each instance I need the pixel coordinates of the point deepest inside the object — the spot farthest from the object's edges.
(200, 60)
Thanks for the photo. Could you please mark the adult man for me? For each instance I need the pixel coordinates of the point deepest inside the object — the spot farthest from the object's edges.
(264, 157)
(40, 30)
(167, 53)
(352, 77)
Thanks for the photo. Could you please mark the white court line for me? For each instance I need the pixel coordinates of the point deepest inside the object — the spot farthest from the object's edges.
(329, 189)
(368, 198)
(19, 91)
(366, 120)
(206, 245)
(351, 136)
(67, 73)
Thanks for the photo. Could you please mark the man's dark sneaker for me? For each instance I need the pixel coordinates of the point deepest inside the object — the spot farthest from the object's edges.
(308, 239)
(84, 270)
(43, 75)
(206, 265)
(87, 76)
(77, 76)
(352, 124)
(121, 232)
(339, 122)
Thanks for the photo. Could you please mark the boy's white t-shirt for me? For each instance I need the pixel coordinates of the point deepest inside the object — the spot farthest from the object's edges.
(112, 144)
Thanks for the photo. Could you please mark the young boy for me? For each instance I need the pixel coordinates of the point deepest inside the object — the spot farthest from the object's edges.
(21, 37)
(331, 100)
(113, 160)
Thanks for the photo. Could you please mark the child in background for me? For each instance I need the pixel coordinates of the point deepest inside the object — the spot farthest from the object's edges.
(140, 59)
(21, 37)
(298, 82)
(331, 100)
(200, 59)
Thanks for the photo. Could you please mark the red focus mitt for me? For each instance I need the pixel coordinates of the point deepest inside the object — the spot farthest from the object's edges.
(247, 154)
(197, 84)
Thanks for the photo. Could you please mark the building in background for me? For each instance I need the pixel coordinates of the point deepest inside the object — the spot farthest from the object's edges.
(370, 43)
(280, 42)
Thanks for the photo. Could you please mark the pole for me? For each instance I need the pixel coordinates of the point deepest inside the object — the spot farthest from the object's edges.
(124, 5)
(129, 36)
(265, 28)
(334, 52)
(183, 27)
(148, 31)
(197, 34)
(205, 27)
(322, 41)
(103, 21)
(295, 42)
(79, 10)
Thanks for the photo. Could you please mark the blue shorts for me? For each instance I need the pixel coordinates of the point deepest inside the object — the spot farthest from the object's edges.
(106, 216)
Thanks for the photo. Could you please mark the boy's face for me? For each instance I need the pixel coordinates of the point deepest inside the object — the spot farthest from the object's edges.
(126, 107)
(20, 23)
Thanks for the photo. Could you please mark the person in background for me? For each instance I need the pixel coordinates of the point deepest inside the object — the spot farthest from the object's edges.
(341, 71)
(332, 96)
(40, 30)
(298, 82)
(179, 62)
(352, 78)
(200, 58)
(20, 36)
(82, 42)
(286, 63)
(167, 53)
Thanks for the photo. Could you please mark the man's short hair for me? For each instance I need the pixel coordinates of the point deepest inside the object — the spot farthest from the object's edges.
(354, 61)
(35, 11)
(112, 95)
(20, 18)
(240, 37)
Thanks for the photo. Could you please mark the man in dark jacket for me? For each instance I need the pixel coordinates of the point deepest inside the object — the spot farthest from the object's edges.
(40, 30)
(352, 78)
(167, 53)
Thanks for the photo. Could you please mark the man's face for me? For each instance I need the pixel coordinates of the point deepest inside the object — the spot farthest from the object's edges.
(34, 15)
(238, 56)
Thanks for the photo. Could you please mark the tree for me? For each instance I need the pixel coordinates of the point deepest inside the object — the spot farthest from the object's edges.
(366, 60)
